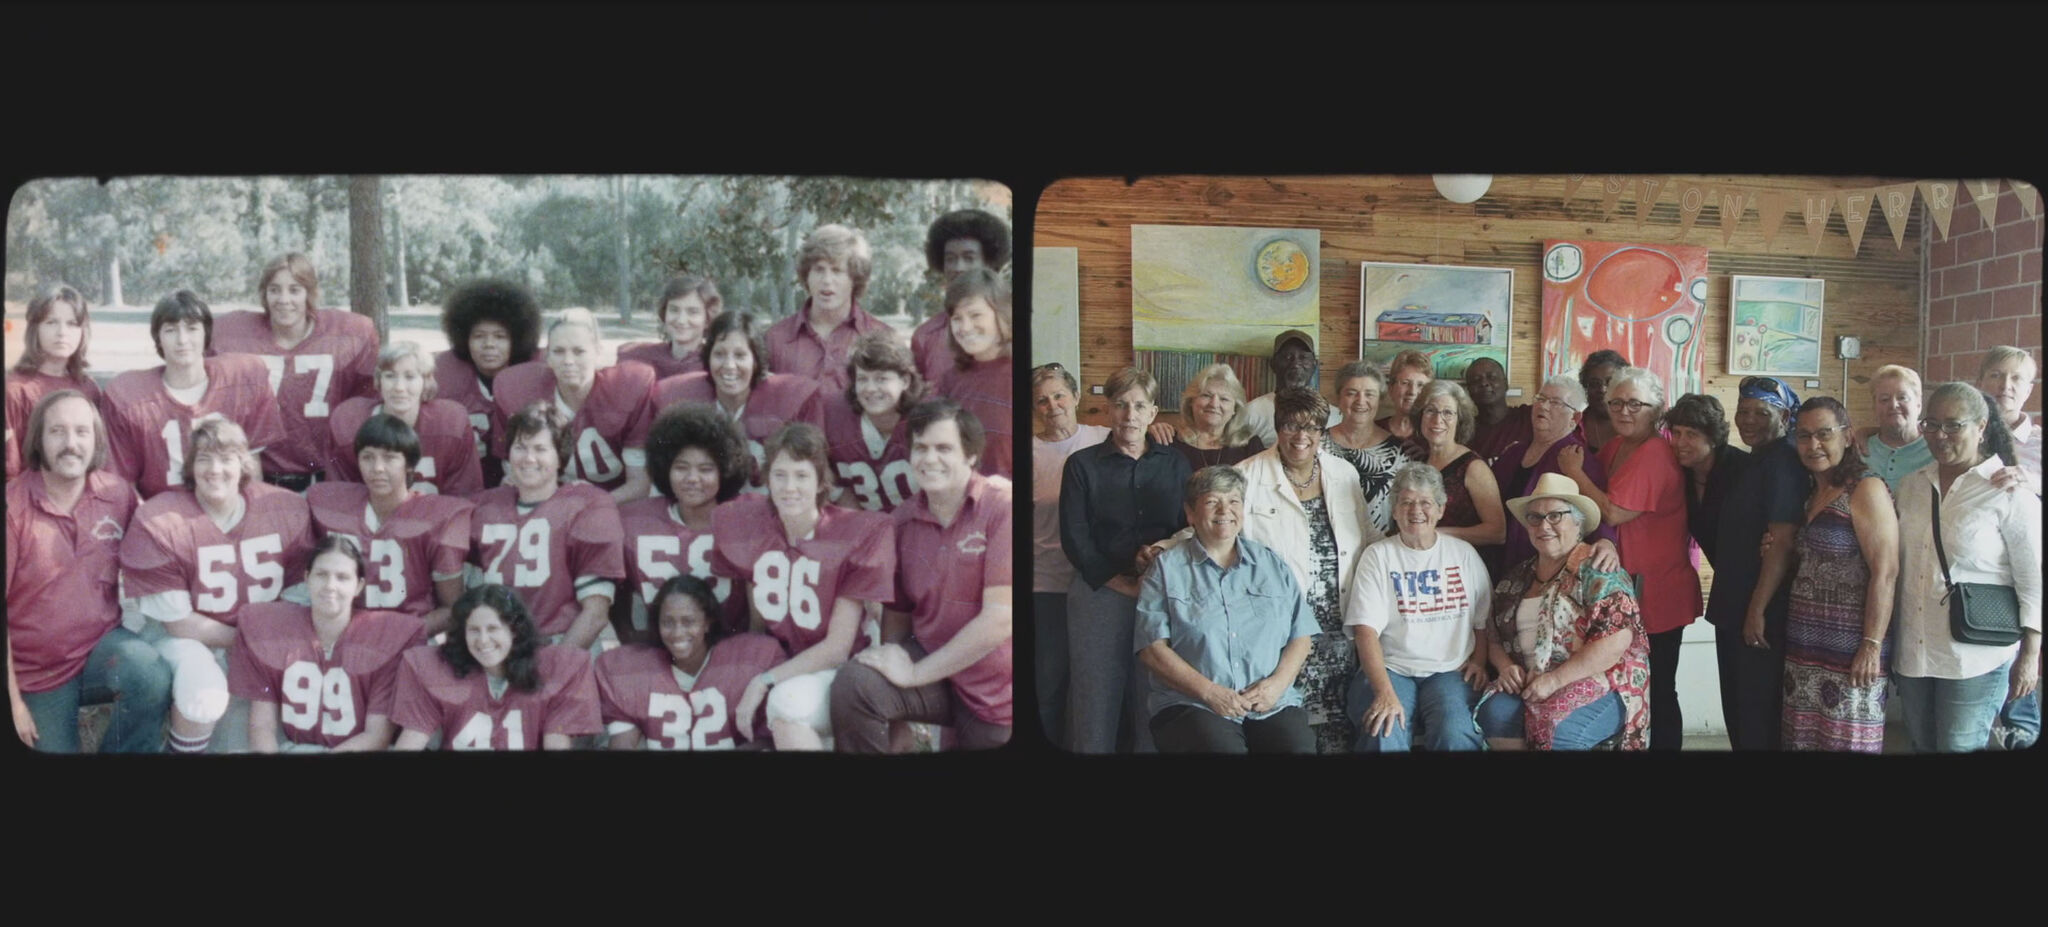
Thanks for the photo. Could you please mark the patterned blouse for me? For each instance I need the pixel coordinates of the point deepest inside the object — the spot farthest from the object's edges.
(1376, 466)
(1579, 605)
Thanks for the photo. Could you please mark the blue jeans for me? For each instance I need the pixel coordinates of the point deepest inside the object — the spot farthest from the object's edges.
(1951, 715)
(1438, 707)
(123, 669)
(1049, 660)
(2023, 716)
(1587, 725)
(1106, 685)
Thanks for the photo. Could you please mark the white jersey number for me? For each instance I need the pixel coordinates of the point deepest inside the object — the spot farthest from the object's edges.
(595, 459)
(387, 569)
(173, 434)
(216, 564)
(895, 483)
(685, 729)
(654, 571)
(476, 735)
(425, 473)
(311, 696)
(530, 568)
(782, 590)
(322, 365)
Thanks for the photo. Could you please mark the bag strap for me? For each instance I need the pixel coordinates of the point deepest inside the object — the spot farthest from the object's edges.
(1940, 552)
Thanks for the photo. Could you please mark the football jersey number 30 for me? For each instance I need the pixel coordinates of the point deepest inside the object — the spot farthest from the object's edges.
(782, 590)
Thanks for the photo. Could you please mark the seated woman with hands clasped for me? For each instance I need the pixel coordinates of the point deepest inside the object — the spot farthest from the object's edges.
(1567, 637)
(1223, 626)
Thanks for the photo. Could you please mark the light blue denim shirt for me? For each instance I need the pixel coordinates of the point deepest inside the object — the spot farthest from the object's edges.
(1230, 625)
(1891, 464)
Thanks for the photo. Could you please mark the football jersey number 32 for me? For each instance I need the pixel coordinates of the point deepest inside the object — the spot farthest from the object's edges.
(677, 730)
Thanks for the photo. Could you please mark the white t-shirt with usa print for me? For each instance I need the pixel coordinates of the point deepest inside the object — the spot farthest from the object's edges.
(1425, 604)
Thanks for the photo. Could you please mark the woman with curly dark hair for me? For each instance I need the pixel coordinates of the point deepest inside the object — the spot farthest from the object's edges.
(491, 325)
(865, 424)
(697, 462)
(686, 308)
(54, 338)
(682, 691)
(526, 697)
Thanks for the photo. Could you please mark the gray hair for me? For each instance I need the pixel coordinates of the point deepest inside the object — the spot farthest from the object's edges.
(1574, 393)
(1419, 475)
(2003, 353)
(1044, 372)
(1468, 413)
(1362, 368)
(389, 356)
(1645, 383)
(1213, 479)
(1967, 398)
(1127, 379)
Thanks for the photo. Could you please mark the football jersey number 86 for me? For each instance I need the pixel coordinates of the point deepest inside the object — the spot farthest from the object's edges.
(783, 590)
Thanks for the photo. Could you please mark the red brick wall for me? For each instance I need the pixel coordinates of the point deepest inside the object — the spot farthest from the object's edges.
(1983, 289)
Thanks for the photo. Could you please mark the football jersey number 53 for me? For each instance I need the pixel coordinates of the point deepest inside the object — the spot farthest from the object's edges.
(783, 590)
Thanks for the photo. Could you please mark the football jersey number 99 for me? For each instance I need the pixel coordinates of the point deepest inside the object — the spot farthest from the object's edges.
(782, 590)
(530, 568)
(311, 696)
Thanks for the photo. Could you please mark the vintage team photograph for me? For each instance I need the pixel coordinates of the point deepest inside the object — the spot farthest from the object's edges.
(364, 463)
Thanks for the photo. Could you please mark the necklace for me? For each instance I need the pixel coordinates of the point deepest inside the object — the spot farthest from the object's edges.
(1553, 576)
(1315, 470)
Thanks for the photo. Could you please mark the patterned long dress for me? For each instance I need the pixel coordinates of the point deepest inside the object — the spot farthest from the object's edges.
(1376, 466)
(1823, 628)
(1329, 664)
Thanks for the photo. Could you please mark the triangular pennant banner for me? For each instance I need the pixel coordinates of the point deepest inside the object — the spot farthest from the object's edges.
(1571, 185)
(1985, 192)
(1610, 194)
(1692, 197)
(1896, 202)
(1815, 207)
(1939, 196)
(1770, 211)
(1733, 202)
(1855, 215)
(1647, 189)
(2030, 198)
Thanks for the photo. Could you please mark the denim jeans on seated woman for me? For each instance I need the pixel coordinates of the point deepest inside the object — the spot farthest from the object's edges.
(1438, 710)
(1589, 724)
(1951, 715)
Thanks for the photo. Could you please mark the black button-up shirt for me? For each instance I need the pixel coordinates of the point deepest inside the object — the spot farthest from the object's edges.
(1111, 505)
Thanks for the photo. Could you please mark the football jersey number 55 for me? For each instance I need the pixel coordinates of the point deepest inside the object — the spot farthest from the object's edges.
(216, 564)
(783, 590)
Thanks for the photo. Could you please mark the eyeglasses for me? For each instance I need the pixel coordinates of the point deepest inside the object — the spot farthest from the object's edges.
(1818, 434)
(1631, 406)
(1948, 427)
(1551, 518)
(1543, 400)
(1299, 426)
(1440, 413)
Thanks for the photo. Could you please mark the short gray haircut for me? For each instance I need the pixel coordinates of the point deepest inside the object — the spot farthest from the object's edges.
(1045, 372)
(1362, 368)
(1574, 393)
(389, 356)
(1213, 479)
(1645, 383)
(2003, 353)
(1966, 396)
(1419, 475)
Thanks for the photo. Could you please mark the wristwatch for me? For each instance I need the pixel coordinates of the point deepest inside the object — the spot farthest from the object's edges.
(766, 679)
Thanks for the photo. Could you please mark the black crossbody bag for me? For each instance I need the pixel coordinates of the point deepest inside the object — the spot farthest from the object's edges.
(1978, 613)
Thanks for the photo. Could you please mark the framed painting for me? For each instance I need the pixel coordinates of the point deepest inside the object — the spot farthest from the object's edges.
(1219, 294)
(1456, 315)
(1646, 301)
(1774, 326)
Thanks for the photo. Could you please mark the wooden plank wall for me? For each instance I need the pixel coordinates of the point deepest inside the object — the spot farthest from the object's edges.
(1874, 292)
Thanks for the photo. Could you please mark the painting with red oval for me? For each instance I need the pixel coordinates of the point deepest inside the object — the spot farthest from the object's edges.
(1646, 301)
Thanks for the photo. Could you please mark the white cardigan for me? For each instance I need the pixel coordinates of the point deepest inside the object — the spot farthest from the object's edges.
(1273, 516)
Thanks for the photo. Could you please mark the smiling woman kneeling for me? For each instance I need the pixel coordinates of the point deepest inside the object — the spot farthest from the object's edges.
(1224, 628)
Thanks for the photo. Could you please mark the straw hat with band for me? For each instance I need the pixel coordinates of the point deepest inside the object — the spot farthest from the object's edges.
(1561, 487)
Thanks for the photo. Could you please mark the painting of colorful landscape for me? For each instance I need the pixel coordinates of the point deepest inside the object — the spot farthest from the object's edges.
(1774, 326)
(1456, 315)
(1219, 294)
(1646, 301)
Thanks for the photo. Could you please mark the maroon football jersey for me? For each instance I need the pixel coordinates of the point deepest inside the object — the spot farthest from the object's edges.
(456, 381)
(636, 684)
(931, 347)
(850, 554)
(985, 389)
(543, 551)
(432, 698)
(874, 483)
(796, 350)
(658, 546)
(172, 544)
(24, 390)
(149, 432)
(324, 698)
(941, 571)
(448, 462)
(337, 362)
(61, 594)
(427, 534)
(777, 399)
(612, 422)
(658, 355)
